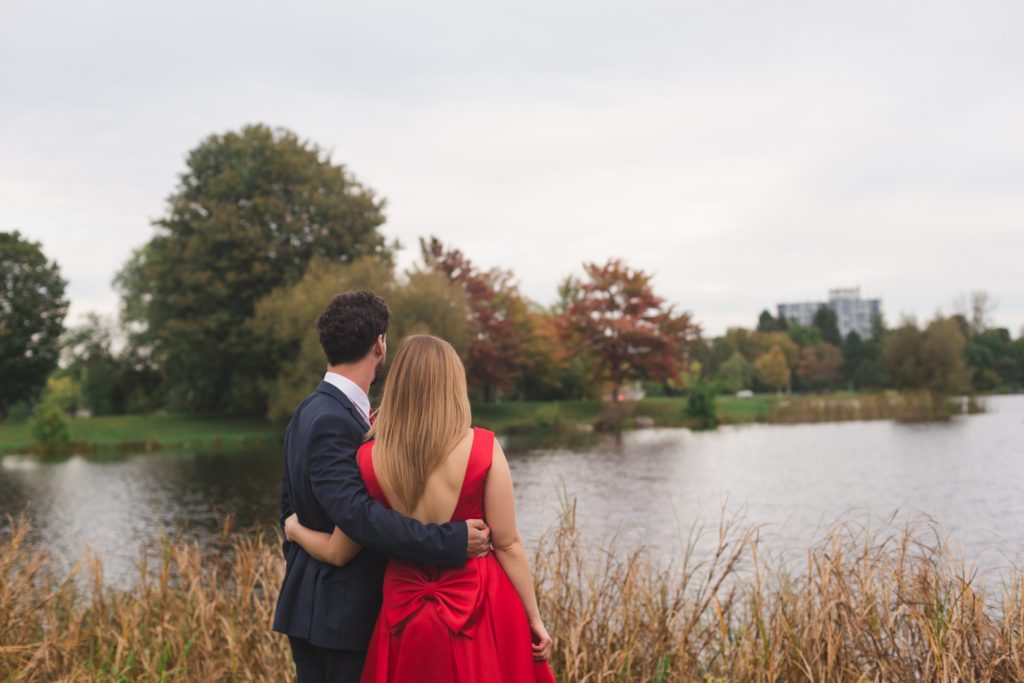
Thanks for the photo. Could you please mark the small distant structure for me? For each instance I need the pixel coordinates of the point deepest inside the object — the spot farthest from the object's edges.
(630, 392)
(853, 314)
(744, 393)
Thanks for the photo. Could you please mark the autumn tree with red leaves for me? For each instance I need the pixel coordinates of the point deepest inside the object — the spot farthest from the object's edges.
(627, 331)
(497, 320)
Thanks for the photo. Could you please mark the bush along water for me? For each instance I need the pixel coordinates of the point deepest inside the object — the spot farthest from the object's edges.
(50, 429)
(700, 406)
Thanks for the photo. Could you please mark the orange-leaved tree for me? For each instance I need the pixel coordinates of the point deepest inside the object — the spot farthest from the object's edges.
(624, 329)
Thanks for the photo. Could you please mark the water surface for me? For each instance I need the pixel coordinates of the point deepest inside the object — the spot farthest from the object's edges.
(648, 487)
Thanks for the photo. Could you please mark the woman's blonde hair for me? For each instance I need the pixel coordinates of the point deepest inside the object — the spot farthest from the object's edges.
(424, 411)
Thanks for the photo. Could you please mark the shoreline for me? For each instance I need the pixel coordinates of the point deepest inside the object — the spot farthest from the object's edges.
(179, 432)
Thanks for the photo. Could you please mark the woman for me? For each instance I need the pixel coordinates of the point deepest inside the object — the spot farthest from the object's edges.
(427, 462)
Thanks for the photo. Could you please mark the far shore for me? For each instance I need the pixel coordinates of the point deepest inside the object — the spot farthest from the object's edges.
(180, 432)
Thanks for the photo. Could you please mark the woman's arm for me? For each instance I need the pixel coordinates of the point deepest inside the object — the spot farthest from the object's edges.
(335, 548)
(500, 511)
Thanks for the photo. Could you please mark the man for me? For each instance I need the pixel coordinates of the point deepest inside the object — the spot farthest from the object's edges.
(328, 612)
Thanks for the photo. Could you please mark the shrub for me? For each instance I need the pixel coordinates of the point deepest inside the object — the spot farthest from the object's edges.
(700, 406)
(50, 429)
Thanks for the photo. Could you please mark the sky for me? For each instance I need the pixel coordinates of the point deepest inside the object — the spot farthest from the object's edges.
(744, 153)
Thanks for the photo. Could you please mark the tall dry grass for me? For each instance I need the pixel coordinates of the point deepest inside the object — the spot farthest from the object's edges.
(893, 604)
(191, 615)
(907, 406)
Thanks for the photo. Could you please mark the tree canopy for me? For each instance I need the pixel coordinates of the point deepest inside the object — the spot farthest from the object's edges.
(250, 212)
(32, 310)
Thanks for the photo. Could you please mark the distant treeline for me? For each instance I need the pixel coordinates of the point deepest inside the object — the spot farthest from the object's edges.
(218, 311)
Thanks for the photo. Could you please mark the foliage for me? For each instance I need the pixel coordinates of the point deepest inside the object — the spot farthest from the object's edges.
(766, 323)
(827, 322)
(111, 382)
(50, 428)
(32, 310)
(820, 365)
(496, 319)
(62, 392)
(628, 332)
(772, 369)
(284, 326)
(552, 370)
(251, 211)
(931, 359)
(994, 360)
(427, 302)
(737, 373)
(700, 406)
(862, 362)
(804, 336)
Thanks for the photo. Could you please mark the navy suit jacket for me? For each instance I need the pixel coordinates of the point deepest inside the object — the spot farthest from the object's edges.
(336, 607)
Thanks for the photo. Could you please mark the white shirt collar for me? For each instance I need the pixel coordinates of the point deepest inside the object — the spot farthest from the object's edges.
(354, 393)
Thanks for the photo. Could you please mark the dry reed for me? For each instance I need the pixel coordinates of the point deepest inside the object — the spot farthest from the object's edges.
(908, 406)
(893, 604)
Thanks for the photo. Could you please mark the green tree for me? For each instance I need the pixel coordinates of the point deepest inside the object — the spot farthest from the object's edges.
(766, 323)
(737, 373)
(862, 362)
(804, 336)
(64, 393)
(284, 323)
(32, 310)
(112, 382)
(627, 330)
(827, 322)
(251, 211)
(991, 360)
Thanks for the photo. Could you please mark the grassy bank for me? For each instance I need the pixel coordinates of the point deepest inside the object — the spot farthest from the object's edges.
(153, 432)
(892, 604)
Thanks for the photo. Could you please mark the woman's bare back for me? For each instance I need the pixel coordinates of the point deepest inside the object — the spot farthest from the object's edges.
(443, 486)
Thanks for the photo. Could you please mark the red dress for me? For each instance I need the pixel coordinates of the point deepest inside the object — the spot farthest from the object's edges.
(452, 625)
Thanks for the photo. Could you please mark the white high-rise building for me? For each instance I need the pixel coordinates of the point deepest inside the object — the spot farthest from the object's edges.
(853, 314)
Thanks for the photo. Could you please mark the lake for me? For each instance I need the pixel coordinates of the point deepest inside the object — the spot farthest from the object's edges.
(648, 487)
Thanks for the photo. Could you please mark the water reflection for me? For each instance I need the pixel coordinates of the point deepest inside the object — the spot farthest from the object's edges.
(647, 487)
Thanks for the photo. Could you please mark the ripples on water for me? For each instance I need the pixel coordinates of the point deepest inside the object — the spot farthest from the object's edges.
(648, 487)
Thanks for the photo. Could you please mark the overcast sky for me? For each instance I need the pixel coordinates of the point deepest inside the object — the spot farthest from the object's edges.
(744, 153)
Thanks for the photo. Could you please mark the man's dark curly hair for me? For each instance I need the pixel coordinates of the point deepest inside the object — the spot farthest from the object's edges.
(350, 324)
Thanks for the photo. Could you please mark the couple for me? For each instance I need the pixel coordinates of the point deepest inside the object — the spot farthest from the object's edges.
(456, 600)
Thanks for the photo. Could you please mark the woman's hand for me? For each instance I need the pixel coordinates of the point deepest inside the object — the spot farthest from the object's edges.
(291, 523)
(541, 641)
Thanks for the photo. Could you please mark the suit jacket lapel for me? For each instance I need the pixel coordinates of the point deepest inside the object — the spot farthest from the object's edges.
(340, 397)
